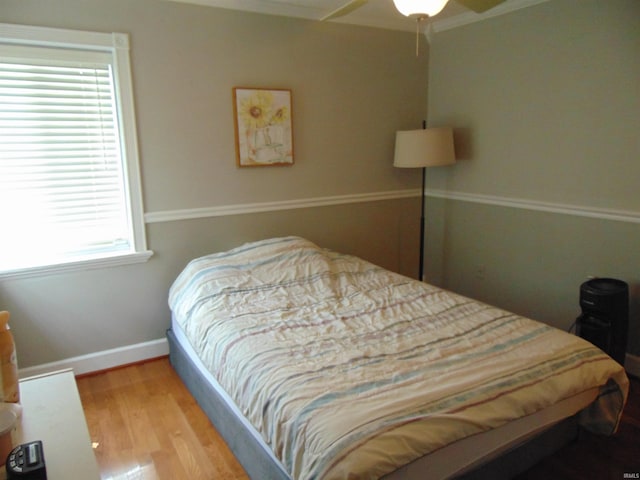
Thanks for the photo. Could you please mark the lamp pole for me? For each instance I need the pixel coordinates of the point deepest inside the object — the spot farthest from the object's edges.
(424, 177)
(424, 181)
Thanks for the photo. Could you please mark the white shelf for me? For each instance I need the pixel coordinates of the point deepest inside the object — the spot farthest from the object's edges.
(52, 412)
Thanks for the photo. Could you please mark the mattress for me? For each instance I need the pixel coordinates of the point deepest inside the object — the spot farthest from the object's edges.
(342, 368)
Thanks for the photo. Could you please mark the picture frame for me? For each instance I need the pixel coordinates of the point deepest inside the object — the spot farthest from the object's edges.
(263, 127)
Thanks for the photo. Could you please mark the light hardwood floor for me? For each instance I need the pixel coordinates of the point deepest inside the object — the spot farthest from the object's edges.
(146, 425)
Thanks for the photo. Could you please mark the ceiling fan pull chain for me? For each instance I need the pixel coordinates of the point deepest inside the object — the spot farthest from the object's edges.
(418, 20)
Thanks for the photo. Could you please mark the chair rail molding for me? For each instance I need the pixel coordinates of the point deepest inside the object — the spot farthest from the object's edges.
(629, 216)
(244, 208)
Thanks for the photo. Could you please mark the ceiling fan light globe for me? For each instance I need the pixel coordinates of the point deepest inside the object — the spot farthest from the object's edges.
(420, 8)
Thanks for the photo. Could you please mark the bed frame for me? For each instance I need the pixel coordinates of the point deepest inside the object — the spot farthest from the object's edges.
(260, 466)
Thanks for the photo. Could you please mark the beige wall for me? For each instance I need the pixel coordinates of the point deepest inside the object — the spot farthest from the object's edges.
(546, 105)
(352, 88)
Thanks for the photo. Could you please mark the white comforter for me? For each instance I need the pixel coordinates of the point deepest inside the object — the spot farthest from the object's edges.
(351, 371)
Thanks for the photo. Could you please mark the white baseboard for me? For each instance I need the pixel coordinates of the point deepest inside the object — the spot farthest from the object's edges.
(632, 365)
(94, 362)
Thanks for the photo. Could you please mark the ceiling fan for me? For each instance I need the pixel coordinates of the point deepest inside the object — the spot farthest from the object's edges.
(416, 8)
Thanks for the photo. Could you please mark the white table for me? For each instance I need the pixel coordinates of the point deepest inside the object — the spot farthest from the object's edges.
(52, 412)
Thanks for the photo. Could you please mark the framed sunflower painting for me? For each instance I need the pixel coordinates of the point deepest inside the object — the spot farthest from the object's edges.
(264, 131)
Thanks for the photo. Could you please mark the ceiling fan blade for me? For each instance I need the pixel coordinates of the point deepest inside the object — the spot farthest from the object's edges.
(343, 10)
(480, 6)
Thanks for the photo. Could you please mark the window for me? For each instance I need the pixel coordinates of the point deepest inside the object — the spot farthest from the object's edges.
(69, 177)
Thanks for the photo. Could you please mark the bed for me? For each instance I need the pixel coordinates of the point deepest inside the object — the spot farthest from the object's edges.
(314, 364)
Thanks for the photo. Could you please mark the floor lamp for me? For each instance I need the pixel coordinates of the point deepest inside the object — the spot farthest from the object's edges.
(429, 147)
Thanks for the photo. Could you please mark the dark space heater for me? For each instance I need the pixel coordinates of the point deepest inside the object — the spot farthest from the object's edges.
(605, 315)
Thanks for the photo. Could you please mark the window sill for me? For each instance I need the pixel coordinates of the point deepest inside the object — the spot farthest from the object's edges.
(118, 260)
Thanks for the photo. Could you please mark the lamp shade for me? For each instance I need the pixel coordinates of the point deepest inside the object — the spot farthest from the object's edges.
(427, 8)
(429, 147)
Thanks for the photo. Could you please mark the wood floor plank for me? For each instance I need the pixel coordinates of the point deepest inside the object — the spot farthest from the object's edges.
(147, 426)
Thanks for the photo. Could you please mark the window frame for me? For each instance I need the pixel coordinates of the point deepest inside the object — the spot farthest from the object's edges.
(117, 46)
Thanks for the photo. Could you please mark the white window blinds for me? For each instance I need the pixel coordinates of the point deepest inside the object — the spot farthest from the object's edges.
(63, 178)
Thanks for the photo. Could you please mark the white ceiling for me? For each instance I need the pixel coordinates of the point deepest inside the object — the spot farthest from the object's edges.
(375, 13)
